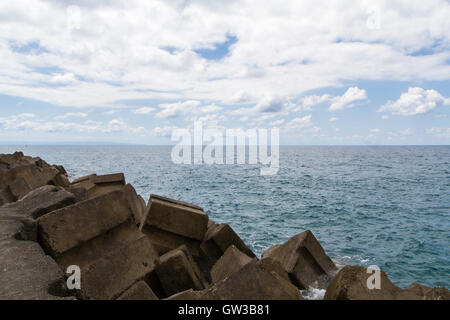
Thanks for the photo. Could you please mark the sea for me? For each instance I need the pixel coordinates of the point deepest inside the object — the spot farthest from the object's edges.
(387, 206)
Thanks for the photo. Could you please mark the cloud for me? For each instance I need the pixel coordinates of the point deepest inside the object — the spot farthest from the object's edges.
(277, 122)
(439, 132)
(71, 115)
(143, 110)
(110, 112)
(347, 100)
(415, 101)
(334, 119)
(173, 110)
(306, 103)
(29, 123)
(148, 50)
(165, 132)
(297, 124)
(406, 132)
(64, 78)
(375, 130)
(269, 104)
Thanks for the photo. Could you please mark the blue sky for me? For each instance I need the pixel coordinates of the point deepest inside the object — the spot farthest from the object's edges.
(132, 71)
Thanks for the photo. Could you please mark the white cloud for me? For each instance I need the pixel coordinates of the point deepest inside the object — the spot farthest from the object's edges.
(110, 112)
(143, 110)
(334, 119)
(415, 101)
(375, 130)
(64, 78)
(406, 132)
(277, 122)
(299, 123)
(173, 110)
(164, 131)
(71, 115)
(347, 100)
(120, 49)
(23, 122)
(439, 132)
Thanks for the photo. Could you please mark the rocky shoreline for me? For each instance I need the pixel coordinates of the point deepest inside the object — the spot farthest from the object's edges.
(128, 249)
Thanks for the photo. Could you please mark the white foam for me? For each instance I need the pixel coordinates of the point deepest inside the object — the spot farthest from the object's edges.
(313, 293)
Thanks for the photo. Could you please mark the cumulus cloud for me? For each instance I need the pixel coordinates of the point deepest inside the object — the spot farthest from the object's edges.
(348, 99)
(71, 115)
(173, 110)
(151, 49)
(334, 119)
(143, 110)
(27, 122)
(439, 132)
(415, 101)
(297, 124)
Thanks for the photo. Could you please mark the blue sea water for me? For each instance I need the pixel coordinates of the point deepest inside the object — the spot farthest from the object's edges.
(368, 205)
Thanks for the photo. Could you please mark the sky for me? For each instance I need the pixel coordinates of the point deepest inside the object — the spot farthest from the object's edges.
(322, 72)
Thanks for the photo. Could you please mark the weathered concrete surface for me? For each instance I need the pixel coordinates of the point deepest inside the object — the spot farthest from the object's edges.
(20, 174)
(69, 227)
(275, 266)
(304, 260)
(80, 194)
(231, 261)
(177, 272)
(351, 284)
(134, 202)
(164, 241)
(139, 291)
(87, 252)
(41, 201)
(176, 217)
(15, 226)
(27, 273)
(218, 238)
(99, 185)
(252, 282)
(109, 276)
(428, 293)
(110, 178)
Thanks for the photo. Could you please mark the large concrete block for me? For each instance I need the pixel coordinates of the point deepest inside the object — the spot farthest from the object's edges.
(231, 261)
(42, 200)
(87, 252)
(252, 282)
(99, 185)
(109, 276)
(69, 227)
(26, 273)
(165, 241)
(15, 226)
(138, 291)
(110, 178)
(351, 284)
(176, 217)
(134, 202)
(304, 260)
(219, 237)
(177, 272)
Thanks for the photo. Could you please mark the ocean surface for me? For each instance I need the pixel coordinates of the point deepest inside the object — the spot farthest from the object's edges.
(367, 205)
